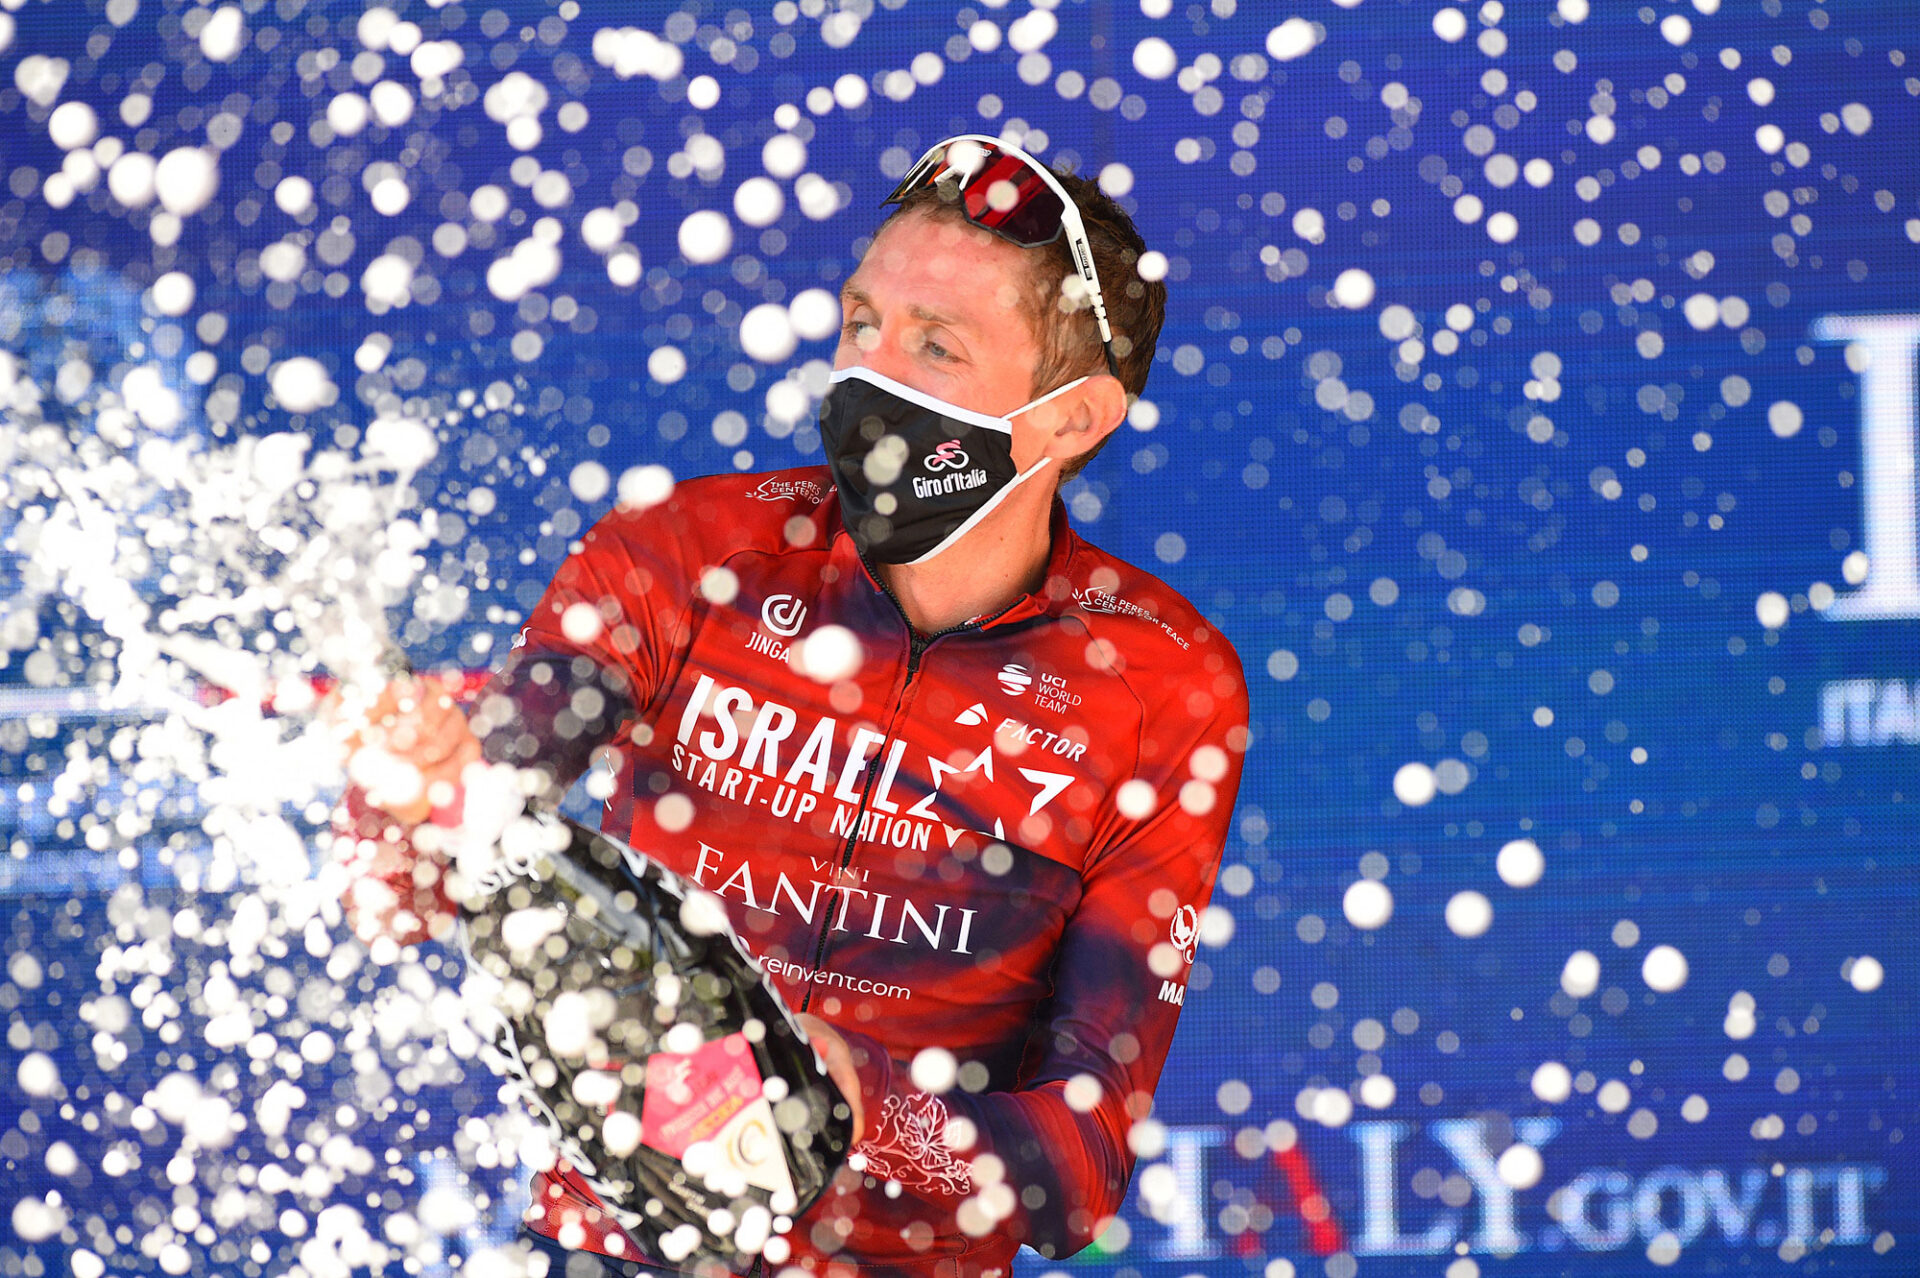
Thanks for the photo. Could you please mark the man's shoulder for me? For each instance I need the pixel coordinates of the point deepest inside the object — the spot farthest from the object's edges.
(1155, 630)
(712, 517)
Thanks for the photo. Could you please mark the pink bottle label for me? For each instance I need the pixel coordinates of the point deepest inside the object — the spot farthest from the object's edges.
(713, 1097)
(691, 1097)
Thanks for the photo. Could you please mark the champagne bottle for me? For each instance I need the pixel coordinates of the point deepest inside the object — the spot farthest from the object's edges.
(667, 1070)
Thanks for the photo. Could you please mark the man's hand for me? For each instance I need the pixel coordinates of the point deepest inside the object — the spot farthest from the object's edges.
(407, 747)
(833, 1053)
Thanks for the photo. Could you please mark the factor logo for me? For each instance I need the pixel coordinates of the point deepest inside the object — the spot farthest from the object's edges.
(1015, 678)
(783, 615)
(1184, 931)
(973, 714)
(949, 456)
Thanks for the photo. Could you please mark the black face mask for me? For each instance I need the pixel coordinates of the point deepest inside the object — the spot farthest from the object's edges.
(915, 473)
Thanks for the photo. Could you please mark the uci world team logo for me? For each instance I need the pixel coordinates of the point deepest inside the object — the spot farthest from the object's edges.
(949, 456)
(1015, 679)
(783, 615)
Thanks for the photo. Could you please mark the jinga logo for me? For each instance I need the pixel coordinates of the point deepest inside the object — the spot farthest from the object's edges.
(783, 615)
(949, 456)
(1889, 479)
(1015, 679)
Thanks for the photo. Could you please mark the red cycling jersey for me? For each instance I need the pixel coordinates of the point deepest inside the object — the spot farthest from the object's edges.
(981, 855)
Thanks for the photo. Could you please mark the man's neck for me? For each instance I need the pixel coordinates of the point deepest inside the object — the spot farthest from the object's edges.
(985, 572)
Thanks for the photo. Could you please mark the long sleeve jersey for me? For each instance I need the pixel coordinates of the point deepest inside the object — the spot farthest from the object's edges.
(982, 855)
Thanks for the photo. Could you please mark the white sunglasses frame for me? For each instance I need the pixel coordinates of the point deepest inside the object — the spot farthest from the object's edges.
(1071, 226)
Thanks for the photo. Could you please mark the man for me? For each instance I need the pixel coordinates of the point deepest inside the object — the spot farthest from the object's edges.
(961, 779)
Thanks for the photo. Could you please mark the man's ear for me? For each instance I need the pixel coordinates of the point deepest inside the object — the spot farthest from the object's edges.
(1089, 413)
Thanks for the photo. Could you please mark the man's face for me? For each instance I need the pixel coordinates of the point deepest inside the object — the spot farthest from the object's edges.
(940, 306)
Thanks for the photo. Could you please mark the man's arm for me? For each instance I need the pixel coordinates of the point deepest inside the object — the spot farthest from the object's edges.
(585, 662)
(1049, 1163)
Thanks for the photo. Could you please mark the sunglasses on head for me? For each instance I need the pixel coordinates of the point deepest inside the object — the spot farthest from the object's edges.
(1004, 190)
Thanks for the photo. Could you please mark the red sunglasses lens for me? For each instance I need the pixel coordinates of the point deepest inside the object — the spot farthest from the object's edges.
(998, 191)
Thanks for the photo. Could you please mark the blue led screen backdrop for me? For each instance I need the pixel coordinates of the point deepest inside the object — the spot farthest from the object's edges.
(1536, 413)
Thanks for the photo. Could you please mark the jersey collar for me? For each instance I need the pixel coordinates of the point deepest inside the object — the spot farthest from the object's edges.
(1056, 590)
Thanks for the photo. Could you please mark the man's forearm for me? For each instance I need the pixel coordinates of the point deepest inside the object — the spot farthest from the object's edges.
(549, 710)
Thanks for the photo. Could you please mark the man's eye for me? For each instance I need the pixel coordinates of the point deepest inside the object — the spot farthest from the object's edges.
(938, 351)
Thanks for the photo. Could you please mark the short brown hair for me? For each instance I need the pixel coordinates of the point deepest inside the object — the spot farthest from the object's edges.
(1069, 336)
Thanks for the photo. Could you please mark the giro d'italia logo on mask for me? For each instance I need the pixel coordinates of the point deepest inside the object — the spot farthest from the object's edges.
(913, 472)
(949, 456)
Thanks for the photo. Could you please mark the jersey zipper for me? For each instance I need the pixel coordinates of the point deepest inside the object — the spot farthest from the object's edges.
(916, 649)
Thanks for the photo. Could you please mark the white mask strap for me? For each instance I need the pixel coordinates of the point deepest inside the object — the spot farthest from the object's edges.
(985, 510)
(1056, 391)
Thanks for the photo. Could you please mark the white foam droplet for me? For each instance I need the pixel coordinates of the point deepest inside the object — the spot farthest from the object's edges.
(224, 35)
(1581, 974)
(935, 1070)
(642, 486)
(758, 201)
(1291, 39)
(705, 236)
(1664, 969)
(828, 655)
(566, 1023)
(173, 293)
(666, 365)
(301, 385)
(73, 124)
(1353, 288)
(37, 1074)
(401, 443)
(1552, 1082)
(1154, 58)
(767, 334)
(293, 195)
(589, 481)
(1368, 904)
(1415, 785)
(130, 179)
(620, 1132)
(1469, 914)
(1520, 863)
(186, 179)
(581, 622)
(814, 314)
(1520, 1166)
